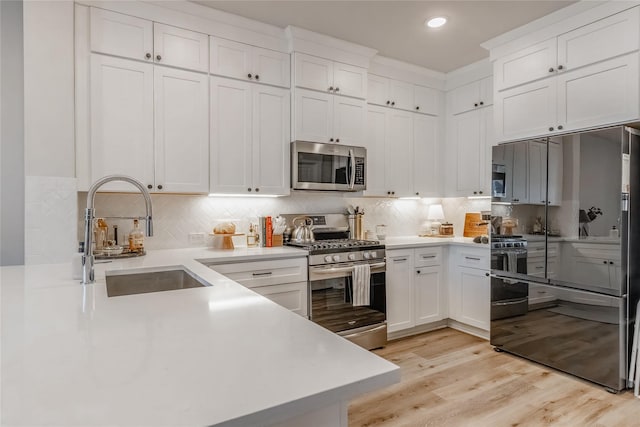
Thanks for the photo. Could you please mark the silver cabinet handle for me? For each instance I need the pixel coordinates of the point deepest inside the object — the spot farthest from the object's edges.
(473, 258)
(427, 256)
(399, 259)
(268, 273)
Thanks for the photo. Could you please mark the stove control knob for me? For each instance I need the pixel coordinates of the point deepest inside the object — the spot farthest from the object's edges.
(351, 257)
(366, 255)
(374, 254)
(336, 258)
(327, 258)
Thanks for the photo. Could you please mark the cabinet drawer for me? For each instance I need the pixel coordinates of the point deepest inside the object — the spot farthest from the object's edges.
(428, 256)
(535, 267)
(474, 259)
(292, 296)
(264, 273)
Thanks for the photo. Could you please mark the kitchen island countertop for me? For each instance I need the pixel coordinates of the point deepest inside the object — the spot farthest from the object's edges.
(217, 355)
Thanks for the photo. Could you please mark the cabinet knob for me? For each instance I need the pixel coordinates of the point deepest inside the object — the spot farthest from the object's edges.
(481, 102)
(475, 192)
(516, 200)
(611, 262)
(257, 77)
(417, 193)
(160, 187)
(417, 107)
(393, 192)
(148, 55)
(336, 89)
(551, 69)
(604, 262)
(389, 193)
(337, 139)
(330, 139)
(257, 189)
(149, 186)
(388, 102)
(480, 192)
(158, 57)
(486, 274)
(248, 189)
(543, 201)
(418, 271)
(560, 127)
(330, 88)
(250, 75)
(560, 67)
(550, 128)
(475, 104)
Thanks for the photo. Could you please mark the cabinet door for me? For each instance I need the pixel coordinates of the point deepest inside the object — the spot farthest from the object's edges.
(349, 80)
(229, 58)
(402, 95)
(231, 138)
(526, 65)
(599, 94)
(486, 91)
(465, 98)
(487, 142)
(554, 174)
(399, 284)
(428, 295)
(270, 140)
(377, 90)
(524, 111)
(399, 154)
(606, 38)
(426, 100)
(313, 72)
(349, 118)
(121, 120)
(475, 296)
(520, 173)
(121, 35)
(467, 140)
(313, 116)
(181, 131)
(426, 156)
(271, 67)
(591, 271)
(180, 48)
(376, 156)
(292, 296)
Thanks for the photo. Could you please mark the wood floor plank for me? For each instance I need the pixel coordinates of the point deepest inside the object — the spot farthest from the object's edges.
(453, 379)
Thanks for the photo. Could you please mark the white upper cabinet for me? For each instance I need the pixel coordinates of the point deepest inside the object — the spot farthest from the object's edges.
(121, 35)
(377, 133)
(322, 117)
(130, 37)
(474, 95)
(329, 76)
(606, 38)
(401, 95)
(121, 121)
(180, 48)
(181, 140)
(245, 62)
(399, 154)
(249, 138)
(426, 160)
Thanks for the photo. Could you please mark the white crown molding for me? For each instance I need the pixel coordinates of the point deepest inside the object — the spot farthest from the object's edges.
(566, 19)
(404, 71)
(195, 17)
(309, 42)
(469, 73)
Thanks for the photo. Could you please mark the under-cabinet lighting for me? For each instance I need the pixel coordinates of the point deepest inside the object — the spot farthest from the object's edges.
(243, 195)
(478, 197)
(436, 22)
(409, 198)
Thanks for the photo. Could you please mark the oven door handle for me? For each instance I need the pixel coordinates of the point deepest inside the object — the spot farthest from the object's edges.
(345, 269)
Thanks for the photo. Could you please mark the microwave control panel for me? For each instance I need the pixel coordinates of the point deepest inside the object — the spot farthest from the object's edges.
(359, 171)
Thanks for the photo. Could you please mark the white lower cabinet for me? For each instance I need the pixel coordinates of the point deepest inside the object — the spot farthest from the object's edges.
(470, 286)
(415, 288)
(283, 281)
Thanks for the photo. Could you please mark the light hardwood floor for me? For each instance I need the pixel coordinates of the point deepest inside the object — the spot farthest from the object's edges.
(453, 379)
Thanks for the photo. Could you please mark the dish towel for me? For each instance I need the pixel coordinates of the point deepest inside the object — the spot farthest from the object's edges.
(512, 260)
(361, 275)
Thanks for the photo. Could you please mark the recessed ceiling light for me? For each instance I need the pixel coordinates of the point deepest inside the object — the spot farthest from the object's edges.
(436, 22)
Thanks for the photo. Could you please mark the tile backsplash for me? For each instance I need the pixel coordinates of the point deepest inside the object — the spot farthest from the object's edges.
(178, 216)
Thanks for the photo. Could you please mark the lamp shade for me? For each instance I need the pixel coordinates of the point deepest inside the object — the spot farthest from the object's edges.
(435, 212)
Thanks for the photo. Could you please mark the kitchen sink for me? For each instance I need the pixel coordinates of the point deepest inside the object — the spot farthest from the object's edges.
(127, 283)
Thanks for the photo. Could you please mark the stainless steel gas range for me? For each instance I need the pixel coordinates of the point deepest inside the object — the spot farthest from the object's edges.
(335, 261)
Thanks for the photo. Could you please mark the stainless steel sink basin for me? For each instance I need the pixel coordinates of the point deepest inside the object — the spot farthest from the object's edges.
(123, 283)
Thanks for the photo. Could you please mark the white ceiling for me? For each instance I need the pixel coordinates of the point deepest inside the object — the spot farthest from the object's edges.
(396, 28)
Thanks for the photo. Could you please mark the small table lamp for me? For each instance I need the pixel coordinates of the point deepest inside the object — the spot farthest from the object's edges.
(434, 215)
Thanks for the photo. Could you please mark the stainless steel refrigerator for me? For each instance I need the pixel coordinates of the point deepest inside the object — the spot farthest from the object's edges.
(564, 258)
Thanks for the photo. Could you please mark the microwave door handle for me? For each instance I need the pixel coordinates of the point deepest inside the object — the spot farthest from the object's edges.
(352, 162)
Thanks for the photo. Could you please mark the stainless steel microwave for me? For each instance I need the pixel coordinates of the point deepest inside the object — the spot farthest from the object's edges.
(329, 167)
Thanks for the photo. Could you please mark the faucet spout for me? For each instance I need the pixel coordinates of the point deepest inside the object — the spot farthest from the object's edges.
(88, 259)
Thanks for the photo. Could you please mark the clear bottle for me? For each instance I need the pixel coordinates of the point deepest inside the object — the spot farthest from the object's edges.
(252, 236)
(136, 238)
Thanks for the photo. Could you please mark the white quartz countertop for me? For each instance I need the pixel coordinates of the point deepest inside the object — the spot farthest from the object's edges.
(404, 242)
(203, 356)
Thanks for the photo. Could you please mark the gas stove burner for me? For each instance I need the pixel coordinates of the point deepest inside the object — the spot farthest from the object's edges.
(336, 244)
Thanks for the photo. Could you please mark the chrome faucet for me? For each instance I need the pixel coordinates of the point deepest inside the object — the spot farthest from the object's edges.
(87, 257)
